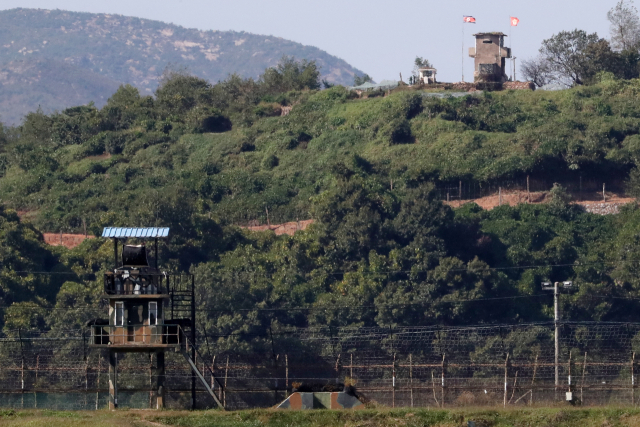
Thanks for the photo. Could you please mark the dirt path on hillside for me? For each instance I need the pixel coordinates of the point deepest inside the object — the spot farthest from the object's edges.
(514, 198)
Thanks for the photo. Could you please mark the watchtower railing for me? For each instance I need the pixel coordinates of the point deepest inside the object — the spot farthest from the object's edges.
(135, 282)
(136, 335)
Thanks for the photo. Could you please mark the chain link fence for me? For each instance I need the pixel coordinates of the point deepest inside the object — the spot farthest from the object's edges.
(510, 365)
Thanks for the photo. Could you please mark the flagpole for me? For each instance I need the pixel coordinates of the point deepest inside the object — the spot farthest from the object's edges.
(462, 57)
(511, 45)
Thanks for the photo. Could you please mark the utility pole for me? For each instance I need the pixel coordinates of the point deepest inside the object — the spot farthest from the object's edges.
(556, 320)
(556, 324)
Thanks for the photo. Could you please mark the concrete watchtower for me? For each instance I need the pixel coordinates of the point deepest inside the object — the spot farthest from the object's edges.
(490, 55)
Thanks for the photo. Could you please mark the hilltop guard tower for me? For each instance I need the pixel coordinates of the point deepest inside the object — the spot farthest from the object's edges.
(427, 75)
(150, 311)
(490, 55)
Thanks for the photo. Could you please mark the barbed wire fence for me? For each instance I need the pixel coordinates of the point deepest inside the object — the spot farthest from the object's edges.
(582, 189)
(507, 365)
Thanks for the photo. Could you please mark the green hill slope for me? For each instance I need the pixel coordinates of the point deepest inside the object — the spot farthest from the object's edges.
(112, 48)
(84, 160)
(201, 158)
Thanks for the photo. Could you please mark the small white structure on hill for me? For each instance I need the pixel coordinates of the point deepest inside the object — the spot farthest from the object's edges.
(427, 75)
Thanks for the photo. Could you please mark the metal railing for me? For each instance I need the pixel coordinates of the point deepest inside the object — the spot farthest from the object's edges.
(136, 335)
(135, 282)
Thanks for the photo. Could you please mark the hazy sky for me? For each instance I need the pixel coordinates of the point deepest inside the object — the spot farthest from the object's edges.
(379, 37)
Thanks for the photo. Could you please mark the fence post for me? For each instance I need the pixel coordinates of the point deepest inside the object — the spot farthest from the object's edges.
(98, 381)
(213, 375)
(433, 388)
(584, 368)
(506, 379)
(460, 191)
(351, 367)
(151, 380)
(86, 379)
(444, 367)
(393, 382)
(528, 192)
(35, 394)
(533, 379)
(411, 374)
(286, 375)
(226, 375)
(633, 379)
(21, 369)
(569, 376)
(604, 196)
(499, 196)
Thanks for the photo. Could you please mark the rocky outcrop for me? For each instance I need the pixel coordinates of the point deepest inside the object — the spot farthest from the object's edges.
(602, 208)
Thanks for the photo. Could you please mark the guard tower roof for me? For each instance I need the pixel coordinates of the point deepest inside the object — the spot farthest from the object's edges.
(139, 233)
(495, 33)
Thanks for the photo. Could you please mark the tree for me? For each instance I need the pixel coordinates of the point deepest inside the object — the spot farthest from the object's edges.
(599, 57)
(359, 80)
(577, 58)
(536, 70)
(290, 74)
(625, 26)
(565, 55)
(179, 92)
(418, 63)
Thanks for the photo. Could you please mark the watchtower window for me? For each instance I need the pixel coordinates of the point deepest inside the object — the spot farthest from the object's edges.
(487, 41)
(153, 313)
(119, 320)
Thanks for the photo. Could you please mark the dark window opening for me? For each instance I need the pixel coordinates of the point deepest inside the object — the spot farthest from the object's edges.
(153, 313)
(119, 320)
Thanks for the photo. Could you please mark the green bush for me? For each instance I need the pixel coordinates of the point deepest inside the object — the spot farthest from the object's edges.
(270, 161)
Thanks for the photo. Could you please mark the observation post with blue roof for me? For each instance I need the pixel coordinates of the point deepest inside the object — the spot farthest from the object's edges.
(150, 310)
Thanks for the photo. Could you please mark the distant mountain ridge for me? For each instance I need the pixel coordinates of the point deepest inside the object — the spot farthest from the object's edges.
(102, 51)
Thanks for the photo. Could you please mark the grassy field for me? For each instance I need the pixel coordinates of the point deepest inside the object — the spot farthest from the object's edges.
(556, 417)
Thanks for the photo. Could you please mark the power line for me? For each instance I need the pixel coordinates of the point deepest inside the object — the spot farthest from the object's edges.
(342, 307)
(339, 272)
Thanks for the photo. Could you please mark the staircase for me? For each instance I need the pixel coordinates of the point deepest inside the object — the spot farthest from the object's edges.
(186, 348)
(182, 313)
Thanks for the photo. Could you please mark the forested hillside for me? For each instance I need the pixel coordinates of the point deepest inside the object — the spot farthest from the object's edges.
(74, 58)
(384, 249)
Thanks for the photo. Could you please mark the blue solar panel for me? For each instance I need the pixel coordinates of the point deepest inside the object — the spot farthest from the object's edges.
(141, 233)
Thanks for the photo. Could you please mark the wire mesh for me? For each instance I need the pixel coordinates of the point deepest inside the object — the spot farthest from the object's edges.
(403, 366)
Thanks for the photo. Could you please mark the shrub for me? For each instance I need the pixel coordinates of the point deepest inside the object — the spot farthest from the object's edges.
(270, 161)
(208, 120)
(268, 109)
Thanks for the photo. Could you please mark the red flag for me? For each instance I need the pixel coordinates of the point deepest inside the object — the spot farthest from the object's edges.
(469, 19)
(514, 21)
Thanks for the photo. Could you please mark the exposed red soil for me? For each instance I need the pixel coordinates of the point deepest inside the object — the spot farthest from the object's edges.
(287, 228)
(591, 202)
(69, 241)
(514, 198)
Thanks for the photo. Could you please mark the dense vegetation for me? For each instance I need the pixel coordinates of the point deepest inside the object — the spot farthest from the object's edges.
(57, 59)
(384, 250)
(226, 152)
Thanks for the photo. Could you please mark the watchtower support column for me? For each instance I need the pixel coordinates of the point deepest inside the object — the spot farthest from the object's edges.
(160, 378)
(113, 379)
